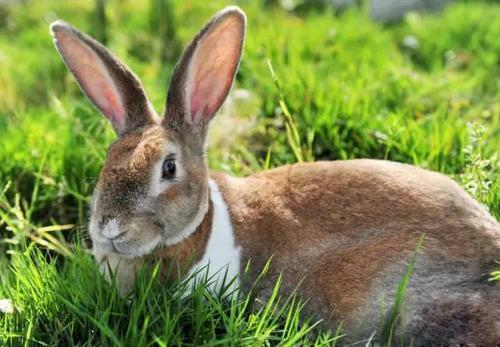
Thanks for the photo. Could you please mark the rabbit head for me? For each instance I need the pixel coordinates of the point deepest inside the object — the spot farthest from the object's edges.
(153, 189)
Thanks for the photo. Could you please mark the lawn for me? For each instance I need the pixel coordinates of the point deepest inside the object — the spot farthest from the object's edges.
(313, 85)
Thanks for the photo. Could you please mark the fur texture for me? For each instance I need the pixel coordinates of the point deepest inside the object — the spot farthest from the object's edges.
(221, 257)
(346, 230)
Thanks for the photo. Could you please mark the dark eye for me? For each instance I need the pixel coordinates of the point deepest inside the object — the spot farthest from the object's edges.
(169, 169)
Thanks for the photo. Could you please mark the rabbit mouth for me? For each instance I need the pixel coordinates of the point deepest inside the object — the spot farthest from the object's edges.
(133, 247)
(136, 238)
(118, 245)
(123, 249)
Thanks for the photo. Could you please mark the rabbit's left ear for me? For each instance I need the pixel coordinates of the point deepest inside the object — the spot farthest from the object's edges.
(204, 75)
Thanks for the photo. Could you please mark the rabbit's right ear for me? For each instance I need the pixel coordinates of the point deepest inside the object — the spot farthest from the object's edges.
(204, 75)
(109, 84)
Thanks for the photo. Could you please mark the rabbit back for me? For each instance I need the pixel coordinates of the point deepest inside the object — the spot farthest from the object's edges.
(346, 230)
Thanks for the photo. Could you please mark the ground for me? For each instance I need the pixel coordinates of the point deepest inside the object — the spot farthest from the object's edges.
(313, 84)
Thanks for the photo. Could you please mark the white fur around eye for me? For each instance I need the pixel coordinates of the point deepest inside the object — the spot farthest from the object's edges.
(158, 185)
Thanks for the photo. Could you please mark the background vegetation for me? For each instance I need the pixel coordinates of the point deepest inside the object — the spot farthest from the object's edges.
(313, 84)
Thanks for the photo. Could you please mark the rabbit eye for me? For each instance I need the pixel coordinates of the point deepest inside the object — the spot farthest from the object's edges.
(169, 168)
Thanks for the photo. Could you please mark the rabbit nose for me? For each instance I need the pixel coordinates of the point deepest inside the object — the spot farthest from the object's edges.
(105, 219)
(111, 229)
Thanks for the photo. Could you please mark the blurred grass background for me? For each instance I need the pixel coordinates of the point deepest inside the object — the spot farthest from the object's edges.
(314, 84)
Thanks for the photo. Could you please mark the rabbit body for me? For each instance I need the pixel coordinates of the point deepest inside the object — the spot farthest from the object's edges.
(345, 231)
(341, 233)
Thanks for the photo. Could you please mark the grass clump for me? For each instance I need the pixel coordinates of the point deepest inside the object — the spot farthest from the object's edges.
(67, 302)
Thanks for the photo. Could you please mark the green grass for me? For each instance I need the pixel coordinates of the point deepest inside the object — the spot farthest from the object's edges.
(70, 304)
(319, 86)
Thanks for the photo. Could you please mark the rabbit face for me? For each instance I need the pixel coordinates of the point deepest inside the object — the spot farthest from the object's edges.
(152, 190)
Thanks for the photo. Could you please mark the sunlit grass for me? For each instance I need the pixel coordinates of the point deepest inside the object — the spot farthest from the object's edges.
(67, 302)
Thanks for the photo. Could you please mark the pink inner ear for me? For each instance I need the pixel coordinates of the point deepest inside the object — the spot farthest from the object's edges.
(116, 110)
(92, 76)
(212, 68)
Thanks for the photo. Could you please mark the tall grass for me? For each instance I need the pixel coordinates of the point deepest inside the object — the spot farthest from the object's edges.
(68, 303)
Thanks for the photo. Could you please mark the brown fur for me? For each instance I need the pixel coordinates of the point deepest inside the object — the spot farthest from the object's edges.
(128, 162)
(473, 321)
(338, 227)
(122, 190)
(177, 259)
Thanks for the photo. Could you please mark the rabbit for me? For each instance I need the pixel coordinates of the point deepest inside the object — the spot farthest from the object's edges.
(341, 233)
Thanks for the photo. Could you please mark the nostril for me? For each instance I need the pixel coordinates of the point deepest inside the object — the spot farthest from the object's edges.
(112, 229)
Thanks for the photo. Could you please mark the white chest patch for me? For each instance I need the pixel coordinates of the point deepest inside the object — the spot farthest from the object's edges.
(222, 256)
